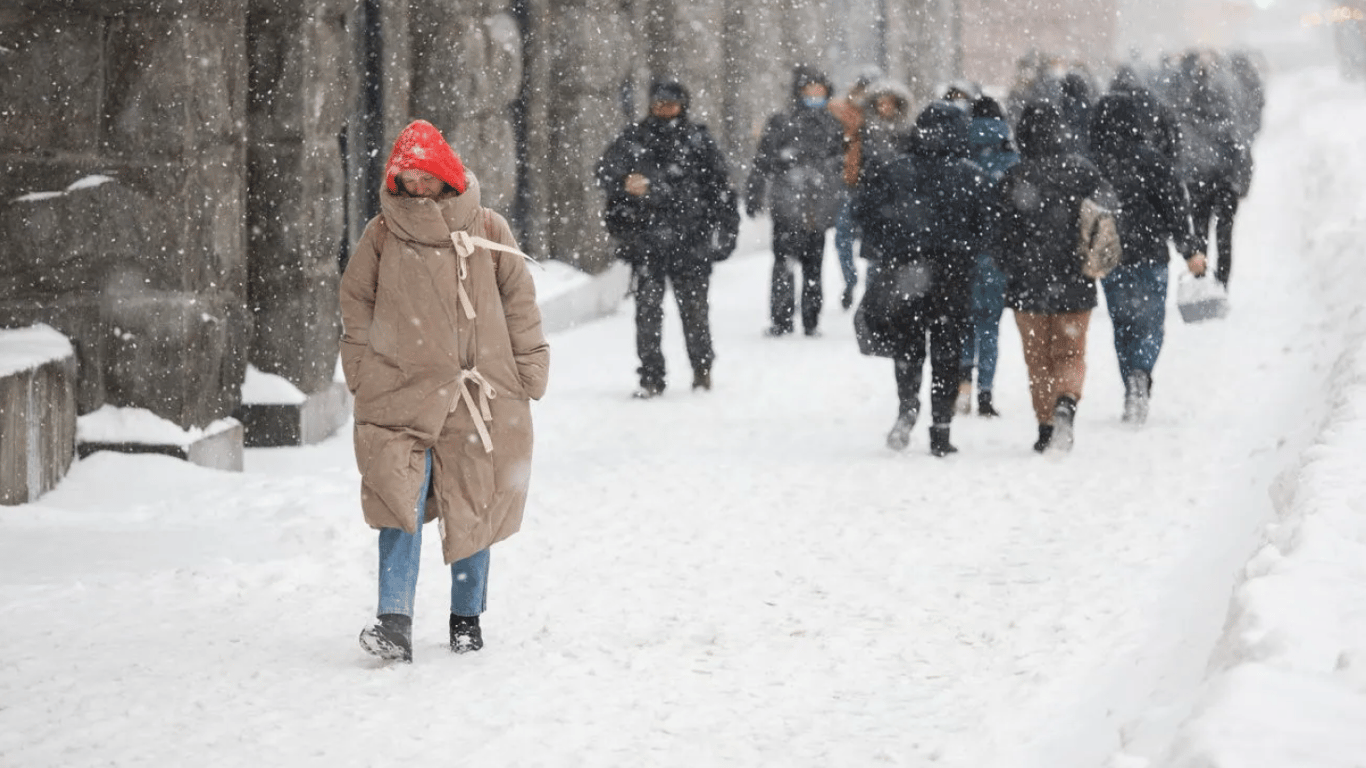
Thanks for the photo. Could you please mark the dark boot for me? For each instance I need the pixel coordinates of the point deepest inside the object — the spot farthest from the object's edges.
(648, 391)
(939, 441)
(465, 634)
(390, 637)
(984, 406)
(701, 379)
(1136, 392)
(900, 436)
(1045, 436)
(1063, 415)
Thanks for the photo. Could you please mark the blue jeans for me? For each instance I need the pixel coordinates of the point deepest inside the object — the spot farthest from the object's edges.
(982, 340)
(845, 235)
(399, 556)
(1136, 295)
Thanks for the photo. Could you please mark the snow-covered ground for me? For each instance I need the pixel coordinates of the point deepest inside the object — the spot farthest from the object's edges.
(747, 577)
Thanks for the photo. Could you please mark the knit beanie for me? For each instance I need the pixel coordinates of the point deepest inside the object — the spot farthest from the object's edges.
(421, 147)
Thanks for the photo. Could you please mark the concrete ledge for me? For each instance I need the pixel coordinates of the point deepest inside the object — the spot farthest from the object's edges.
(133, 430)
(269, 425)
(37, 412)
(568, 296)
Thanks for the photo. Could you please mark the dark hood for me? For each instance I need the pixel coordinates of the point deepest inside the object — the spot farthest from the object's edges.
(941, 130)
(1041, 131)
(804, 75)
(1117, 125)
(670, 89)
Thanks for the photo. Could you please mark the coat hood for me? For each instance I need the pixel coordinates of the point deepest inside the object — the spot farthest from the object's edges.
(989, 134)
(898, 91)
(431, 222)
(670, 89)
(941, 130)
(804, 75)
(1116, 126)
(1041, 130)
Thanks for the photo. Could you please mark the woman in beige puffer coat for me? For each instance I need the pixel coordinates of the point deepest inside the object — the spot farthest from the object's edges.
(443, 351)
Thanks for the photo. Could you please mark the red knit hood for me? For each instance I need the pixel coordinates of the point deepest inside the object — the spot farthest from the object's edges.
(421, 147)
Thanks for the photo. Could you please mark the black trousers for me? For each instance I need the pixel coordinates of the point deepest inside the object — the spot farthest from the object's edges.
(1214, 202)
(691, 281)
(934, 323)
(794, 245)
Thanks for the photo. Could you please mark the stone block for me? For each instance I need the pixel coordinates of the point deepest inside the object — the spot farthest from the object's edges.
(51, 72)
(218, 446)
(311, 421)
(37, 412)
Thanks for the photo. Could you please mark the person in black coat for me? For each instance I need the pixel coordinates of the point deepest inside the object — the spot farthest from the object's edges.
(926, 213)
(672, 209)
(1036, 248)
(1216, 158)
(1153, 212)
(798, 174)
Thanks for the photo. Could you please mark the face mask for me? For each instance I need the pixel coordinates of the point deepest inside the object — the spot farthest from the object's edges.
(814, 102)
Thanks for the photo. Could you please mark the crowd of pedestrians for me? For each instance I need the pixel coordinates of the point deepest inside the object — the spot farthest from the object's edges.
(965, 209)
(961, 208)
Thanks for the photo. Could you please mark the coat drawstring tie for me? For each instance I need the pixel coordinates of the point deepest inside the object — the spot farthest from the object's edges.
(480, 411)
(464, 244)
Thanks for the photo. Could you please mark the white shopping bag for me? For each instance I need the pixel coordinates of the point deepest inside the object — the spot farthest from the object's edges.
(1200, 298)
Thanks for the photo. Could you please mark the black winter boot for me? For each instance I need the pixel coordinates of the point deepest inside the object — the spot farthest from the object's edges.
(465, 634)
(939, 441)
(1063, 415)
(648, 391)
(1045, 436)
(701, 379)
(900, 436)
(390, 637)
(984, 406)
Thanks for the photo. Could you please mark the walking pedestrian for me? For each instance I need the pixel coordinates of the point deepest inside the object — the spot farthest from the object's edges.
(927, 212)
(1154, 213)
(1216, 159)
(993, 150)
(443, 350)
(672, 210)
(1036, 246)
(849, 110)
(797, 173)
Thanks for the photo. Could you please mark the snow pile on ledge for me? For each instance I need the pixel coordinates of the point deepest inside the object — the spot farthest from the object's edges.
(139, 425)
(261, 388)
(24, 348)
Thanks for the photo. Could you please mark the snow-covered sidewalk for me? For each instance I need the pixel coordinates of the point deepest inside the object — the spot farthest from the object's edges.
(747, 577)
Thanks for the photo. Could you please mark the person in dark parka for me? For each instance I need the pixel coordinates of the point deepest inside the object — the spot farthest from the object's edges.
(1216, 159)
(994, 152)
(798, 175)
(1036, 247)
(672, 209)
(926, 212)
(1153, 212)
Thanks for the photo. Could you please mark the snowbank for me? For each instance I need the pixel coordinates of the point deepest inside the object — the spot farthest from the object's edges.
(1287, 682)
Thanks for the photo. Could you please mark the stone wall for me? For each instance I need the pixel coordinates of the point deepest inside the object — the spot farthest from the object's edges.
(145, 272)
(301, 89)
(37, 420)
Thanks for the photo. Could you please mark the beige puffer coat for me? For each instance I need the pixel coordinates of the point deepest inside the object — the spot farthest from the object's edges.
(443, 350)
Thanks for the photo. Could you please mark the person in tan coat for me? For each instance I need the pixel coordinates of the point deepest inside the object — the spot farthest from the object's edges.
(443, 350)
